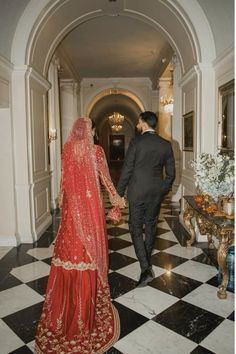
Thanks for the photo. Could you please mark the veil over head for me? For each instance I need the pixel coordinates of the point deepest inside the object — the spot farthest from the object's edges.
(80, 184)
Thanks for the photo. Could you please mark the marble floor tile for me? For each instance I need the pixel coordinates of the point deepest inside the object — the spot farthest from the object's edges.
(4, 250)
(126, 237)
(133, 271)
(120, 284)
(185, 252)
(116, 244)
(231, 316)
(178, 229)
(169, 236)
(205, 296)
(163, 225)
(162, 244)
(129, 319)
(17, 298)
(147, 301)
(9, 341)
(152, 338)
(24, 322)
(130, 252)
(167, 261)
(118, 260)
(47, 261)
(221, 340)
(39, 285)
(9, 281)
(22, 350)
(189, 321)
(203, 258)
(177, 313)
(161, 231)
(31, 271)
(41, 253)
(174, 284)
(30, 345)
(196, 270)
(200, 350)
(117, 231)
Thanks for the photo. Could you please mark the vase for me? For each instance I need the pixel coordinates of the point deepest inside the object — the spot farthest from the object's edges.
(230, 266)
(228, 207)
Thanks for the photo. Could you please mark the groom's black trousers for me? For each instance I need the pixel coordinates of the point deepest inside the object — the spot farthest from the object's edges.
(143, 214)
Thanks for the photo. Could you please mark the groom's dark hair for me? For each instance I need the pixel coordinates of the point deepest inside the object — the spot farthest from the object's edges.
(150, 118)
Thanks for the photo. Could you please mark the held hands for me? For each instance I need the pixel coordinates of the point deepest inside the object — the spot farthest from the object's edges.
(116, 200)
(122, 203)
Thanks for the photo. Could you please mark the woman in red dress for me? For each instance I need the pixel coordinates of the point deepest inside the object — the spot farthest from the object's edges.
(78, 316)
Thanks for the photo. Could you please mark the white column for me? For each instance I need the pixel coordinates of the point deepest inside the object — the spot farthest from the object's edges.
(177, 132)
(54, 131)
(69, 106)
(207, 107)
(164, 121)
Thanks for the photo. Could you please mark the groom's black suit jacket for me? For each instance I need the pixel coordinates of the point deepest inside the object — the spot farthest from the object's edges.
(146, 158)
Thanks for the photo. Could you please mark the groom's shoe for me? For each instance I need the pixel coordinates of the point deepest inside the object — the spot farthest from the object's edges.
(145, 278)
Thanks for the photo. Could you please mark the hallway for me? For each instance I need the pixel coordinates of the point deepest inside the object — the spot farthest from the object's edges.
(178, 313)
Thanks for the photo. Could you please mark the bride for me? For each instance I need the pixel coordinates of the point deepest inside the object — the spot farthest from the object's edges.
(78, 316)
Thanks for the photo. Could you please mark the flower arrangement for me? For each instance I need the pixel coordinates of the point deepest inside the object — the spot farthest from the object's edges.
(214, 174)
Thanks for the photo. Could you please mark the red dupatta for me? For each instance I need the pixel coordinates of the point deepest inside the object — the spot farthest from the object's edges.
(80, 183)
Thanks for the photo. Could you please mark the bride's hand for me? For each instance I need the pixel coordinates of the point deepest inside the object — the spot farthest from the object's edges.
(122, 203)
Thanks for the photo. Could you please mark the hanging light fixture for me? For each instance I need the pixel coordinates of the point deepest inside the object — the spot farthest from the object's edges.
(116, 120)
(116, 128)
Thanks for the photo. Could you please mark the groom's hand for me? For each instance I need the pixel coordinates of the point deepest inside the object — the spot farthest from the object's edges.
(122, 203)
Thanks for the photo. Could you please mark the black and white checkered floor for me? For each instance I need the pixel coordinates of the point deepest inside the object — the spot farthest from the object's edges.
(177, 313)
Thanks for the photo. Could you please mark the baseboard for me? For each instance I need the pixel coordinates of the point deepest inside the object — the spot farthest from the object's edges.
(9, 240)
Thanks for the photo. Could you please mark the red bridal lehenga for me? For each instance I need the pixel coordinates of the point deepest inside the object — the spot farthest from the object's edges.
(78, 316)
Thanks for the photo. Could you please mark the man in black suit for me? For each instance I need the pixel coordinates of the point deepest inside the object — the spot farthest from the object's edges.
(147, 157)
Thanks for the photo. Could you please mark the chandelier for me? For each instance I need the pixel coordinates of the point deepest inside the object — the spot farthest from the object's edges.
(116, 120)
(168, 103)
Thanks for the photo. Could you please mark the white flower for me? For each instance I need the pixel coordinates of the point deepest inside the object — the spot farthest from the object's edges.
(214, 174)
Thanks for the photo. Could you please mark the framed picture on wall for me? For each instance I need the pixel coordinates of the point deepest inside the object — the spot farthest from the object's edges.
(226, 118)
(188, 132)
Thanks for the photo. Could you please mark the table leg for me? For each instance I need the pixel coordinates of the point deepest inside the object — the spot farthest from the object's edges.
(210, 242)
(225, 242)
(188, 216)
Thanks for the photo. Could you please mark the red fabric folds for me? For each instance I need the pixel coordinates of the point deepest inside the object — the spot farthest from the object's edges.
(78, 316)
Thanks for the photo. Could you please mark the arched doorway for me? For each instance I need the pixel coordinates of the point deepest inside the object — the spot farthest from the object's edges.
(42, 34)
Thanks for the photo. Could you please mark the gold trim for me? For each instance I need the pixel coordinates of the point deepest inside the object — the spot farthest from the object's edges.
(116, 331)
(69, 265)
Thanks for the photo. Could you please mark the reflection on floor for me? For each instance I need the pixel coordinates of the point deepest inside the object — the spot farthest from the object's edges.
(178, 313)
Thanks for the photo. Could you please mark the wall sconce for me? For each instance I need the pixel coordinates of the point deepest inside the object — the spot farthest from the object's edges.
(167, 103)
(52, 135)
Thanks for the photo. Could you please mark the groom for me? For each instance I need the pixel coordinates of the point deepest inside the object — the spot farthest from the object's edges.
(147, 156)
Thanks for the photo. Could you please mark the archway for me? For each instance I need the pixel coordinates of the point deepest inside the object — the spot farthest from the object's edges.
(36, 39)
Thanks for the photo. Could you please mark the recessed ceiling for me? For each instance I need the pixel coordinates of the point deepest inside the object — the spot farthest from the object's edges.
(117, 46)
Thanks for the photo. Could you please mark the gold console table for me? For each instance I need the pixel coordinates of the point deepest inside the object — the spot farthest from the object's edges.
(210, 225)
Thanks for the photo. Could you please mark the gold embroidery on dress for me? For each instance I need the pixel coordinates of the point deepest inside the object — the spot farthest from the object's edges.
(88, 193)
(69, 265)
